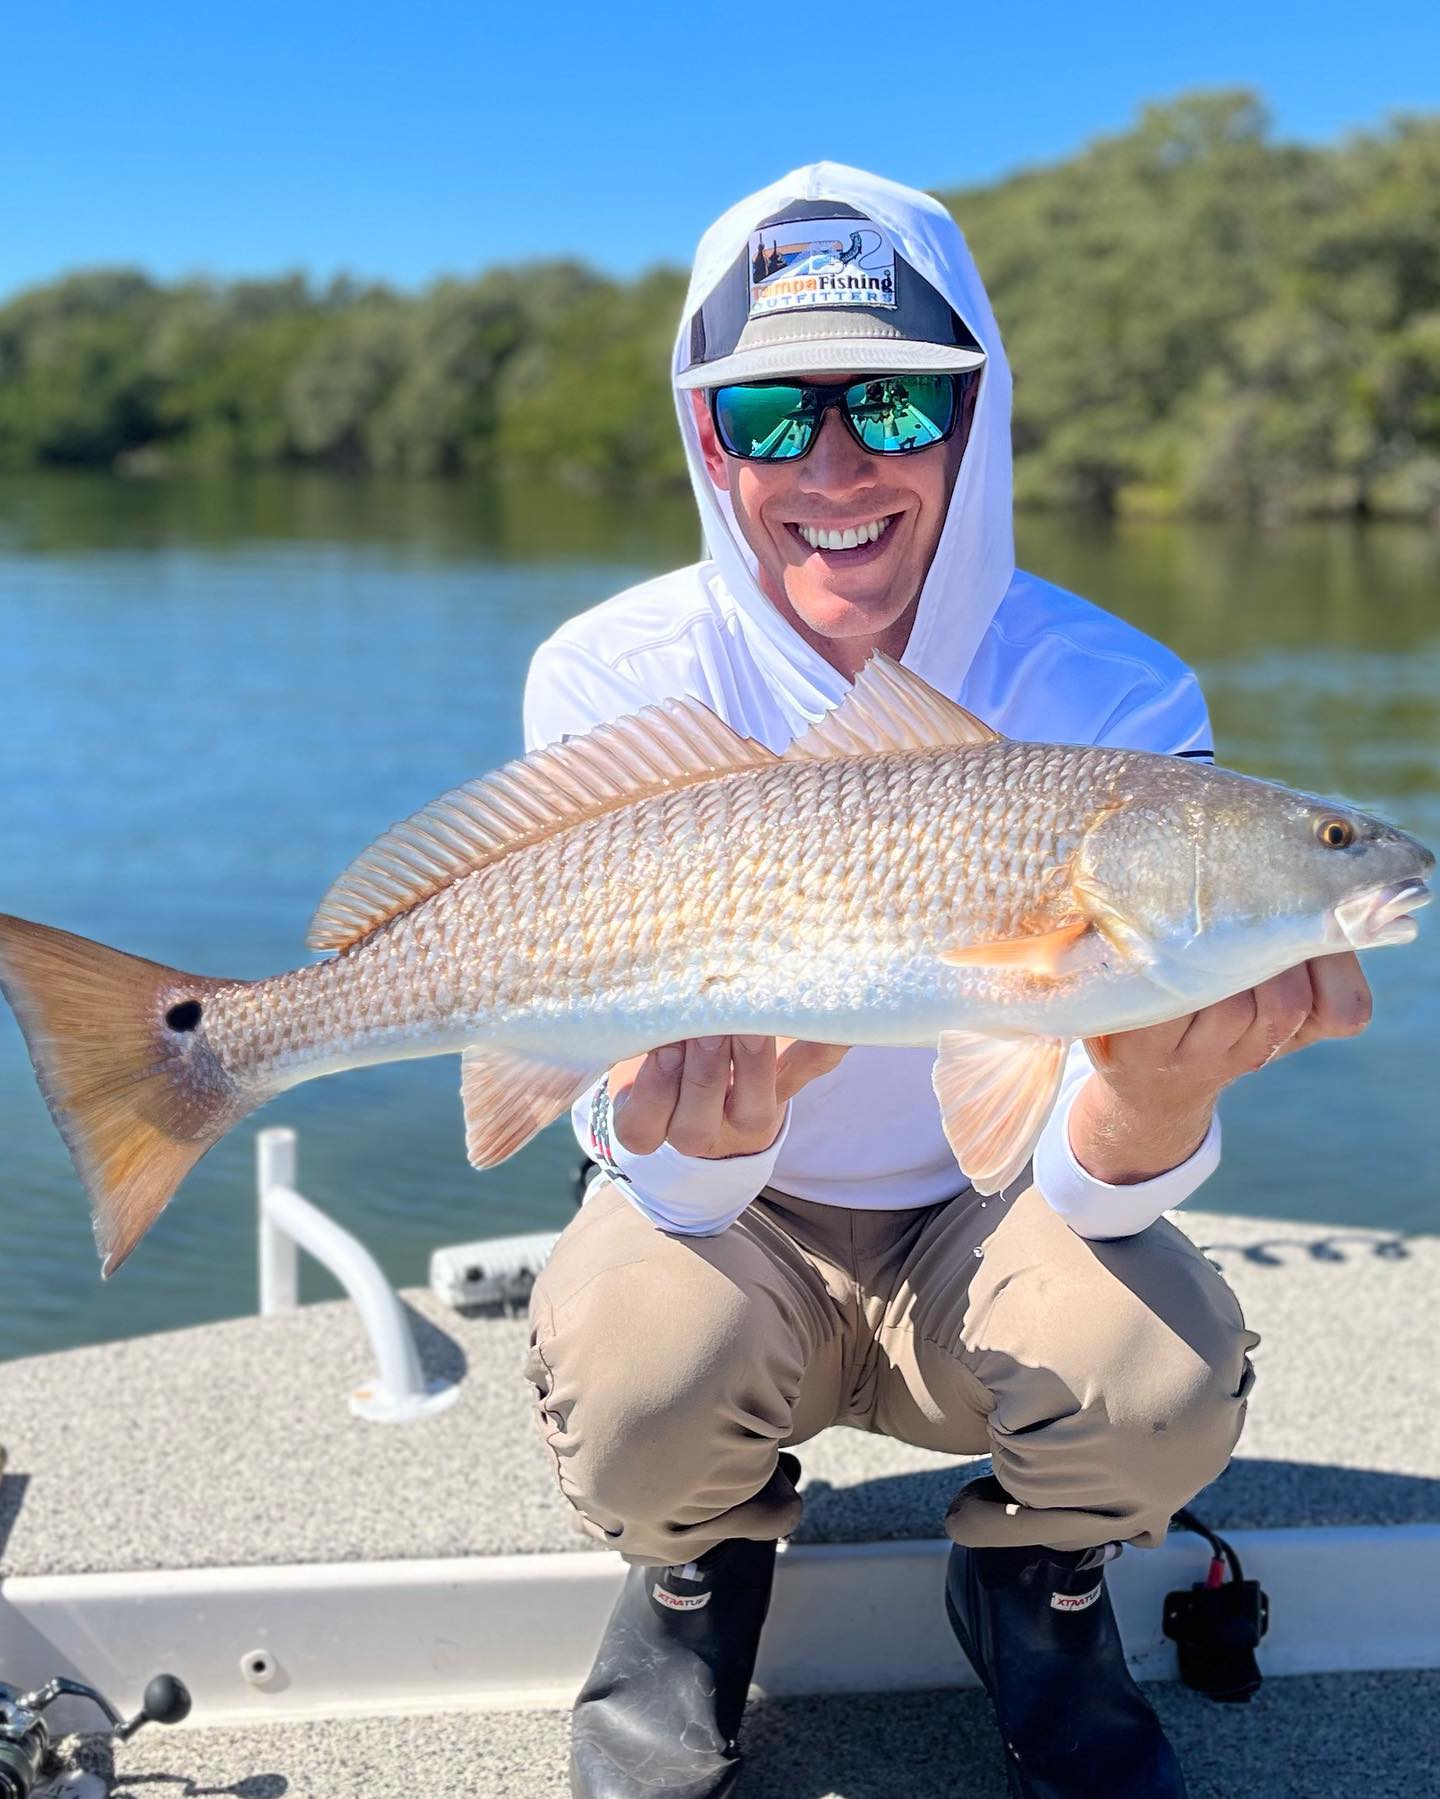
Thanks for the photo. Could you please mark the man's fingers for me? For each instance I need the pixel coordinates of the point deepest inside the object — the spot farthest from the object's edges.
(1216, 1029)
(1343, 1002)
(1237, 1035)
(751, 1107)
(1327, 996)
(707, 1094)
(1152, 1046)
(698, 1121)
(1282, 1006)
(643, 1098)
(800, 1062)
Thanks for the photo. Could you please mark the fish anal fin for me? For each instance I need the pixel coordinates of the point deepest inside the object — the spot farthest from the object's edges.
(889, 708)
(995, 1094)
(679, 743)
(1051, 953)
(509, 1097)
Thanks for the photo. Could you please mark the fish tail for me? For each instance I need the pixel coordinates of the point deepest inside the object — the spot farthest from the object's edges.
(120, 1054)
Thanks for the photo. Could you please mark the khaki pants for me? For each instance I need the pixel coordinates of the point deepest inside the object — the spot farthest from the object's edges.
(1108, 1381)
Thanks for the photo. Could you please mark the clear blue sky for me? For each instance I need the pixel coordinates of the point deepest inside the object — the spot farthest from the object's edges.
(401, 142)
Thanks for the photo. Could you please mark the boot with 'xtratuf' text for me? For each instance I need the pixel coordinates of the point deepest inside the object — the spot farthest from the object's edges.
(659, 1713)
(1038, 1628)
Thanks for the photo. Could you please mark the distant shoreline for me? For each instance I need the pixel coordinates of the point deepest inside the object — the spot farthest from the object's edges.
(1202, 323)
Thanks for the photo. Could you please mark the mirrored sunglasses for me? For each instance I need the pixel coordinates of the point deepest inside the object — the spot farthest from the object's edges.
(891, 415)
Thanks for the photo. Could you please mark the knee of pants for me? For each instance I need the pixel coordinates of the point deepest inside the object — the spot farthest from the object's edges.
(651, 1407)
(1184, 1419)
(1149, 1401)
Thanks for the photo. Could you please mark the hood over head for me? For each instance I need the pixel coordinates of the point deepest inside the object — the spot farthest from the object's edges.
(974, 560)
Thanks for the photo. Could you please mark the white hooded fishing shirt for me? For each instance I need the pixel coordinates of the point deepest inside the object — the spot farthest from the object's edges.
(1030, 659)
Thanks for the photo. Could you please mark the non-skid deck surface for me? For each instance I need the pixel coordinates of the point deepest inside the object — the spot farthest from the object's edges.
(232, 1443)
(1317, 1737)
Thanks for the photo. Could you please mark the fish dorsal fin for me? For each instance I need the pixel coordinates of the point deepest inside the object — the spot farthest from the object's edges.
(679, 743)
(889, 708)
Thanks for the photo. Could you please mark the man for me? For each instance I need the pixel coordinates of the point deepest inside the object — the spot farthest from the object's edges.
(783, 1241)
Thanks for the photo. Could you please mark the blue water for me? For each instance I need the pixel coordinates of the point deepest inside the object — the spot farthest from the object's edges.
(212, 696)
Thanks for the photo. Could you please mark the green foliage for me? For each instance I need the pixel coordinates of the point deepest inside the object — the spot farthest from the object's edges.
(222, 358)
(74, 381)
(1199, 320)
(1202, 321)
(588, 399)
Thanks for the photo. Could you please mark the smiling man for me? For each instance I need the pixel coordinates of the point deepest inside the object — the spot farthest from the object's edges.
(842, 523)
(780, 1240)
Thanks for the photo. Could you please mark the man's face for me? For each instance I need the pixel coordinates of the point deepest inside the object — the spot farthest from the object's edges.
(865, 592)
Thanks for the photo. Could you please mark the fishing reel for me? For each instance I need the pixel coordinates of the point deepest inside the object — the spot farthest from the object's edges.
(25, 1744)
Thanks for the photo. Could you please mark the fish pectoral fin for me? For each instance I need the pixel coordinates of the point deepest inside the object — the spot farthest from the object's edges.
(1052, 953)
(1129, 947)
(509, 1097)
(995, 1094)
(1128, 942)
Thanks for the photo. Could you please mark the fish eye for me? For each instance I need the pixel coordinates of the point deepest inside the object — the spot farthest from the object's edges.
(1335, 833)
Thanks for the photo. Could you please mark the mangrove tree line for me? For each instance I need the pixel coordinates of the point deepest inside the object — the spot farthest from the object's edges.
(1200, 319)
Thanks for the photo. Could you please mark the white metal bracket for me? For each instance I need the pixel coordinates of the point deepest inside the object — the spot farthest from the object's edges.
(289, 1223)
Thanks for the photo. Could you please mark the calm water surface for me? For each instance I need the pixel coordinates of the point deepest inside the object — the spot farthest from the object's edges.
(212, 696)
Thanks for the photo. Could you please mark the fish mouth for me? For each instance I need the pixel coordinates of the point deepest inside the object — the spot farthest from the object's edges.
(1383, 915)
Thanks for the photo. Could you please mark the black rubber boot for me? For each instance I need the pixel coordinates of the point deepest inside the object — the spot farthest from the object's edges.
(1038, 1628)
(659, 1714)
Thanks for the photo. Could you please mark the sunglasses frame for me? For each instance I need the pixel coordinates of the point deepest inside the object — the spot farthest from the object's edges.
(830, 394)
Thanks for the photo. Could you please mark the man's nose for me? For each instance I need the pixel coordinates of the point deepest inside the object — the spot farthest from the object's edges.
(836, 463)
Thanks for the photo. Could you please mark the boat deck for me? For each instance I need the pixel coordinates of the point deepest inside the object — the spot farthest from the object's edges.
(232, 1444)
(1313, 1737)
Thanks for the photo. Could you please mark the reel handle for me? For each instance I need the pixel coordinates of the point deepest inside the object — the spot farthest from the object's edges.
(166, 1701)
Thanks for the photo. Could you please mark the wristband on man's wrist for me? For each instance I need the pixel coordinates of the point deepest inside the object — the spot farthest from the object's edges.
(602, 1116)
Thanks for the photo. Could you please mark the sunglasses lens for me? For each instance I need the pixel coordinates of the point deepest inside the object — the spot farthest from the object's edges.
(766, 424)
(902, 412)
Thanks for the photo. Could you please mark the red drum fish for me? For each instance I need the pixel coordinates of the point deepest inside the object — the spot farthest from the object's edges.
(900, 875)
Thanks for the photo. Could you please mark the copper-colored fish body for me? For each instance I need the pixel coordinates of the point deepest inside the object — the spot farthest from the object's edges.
(901, 876)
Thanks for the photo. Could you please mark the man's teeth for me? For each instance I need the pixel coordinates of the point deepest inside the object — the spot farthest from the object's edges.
(850, 539)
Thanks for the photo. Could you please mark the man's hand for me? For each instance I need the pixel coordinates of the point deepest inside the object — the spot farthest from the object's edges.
(1148, 1107)
(713, 1096)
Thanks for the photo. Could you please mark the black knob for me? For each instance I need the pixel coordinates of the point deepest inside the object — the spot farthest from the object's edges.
(166, 1700)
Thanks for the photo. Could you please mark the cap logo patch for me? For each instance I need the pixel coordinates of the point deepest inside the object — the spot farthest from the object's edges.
(805, 263)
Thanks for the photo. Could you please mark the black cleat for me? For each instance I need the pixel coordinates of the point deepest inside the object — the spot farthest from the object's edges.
(659, 1713)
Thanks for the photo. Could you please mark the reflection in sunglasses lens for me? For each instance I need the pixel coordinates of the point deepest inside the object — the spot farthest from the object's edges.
(906, 413)
(771, 424)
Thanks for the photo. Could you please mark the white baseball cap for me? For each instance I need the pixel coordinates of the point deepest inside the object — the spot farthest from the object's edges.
(821, 289)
